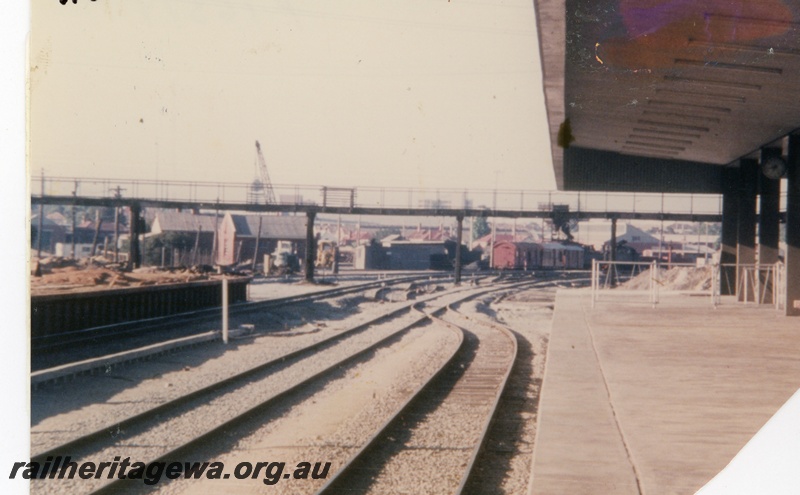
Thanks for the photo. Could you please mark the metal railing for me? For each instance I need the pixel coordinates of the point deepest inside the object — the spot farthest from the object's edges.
(380, 197)
(606, 276)
(755, 283)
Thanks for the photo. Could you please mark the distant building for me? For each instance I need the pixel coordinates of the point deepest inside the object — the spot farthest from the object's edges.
(81, 250)
(370, 257)
(238, 233)
(396, 253)
(429, 235)
(189, 223)
(634, 238)
(706, 240)
(483, 243)
(342, 235)
(183, 221)
(409, 255)
(58, 218)
(356, 238)
(51, 234)
(84, 232)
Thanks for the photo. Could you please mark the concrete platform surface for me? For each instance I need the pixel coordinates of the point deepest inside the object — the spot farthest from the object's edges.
(643, 400)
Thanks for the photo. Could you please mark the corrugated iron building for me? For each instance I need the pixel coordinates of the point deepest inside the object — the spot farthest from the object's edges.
(370, 257)
(237, 236)
(405, 255)
(187, 222)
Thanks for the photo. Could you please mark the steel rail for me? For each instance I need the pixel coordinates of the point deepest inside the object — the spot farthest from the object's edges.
(202, 439)
(203, 315)
(128, 423)
(470, 469)
(336, 482)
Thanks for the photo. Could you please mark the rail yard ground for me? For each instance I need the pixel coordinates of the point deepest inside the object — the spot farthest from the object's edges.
(325, 421)
(622, 398)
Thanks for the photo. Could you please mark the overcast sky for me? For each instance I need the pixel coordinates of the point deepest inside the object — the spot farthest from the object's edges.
(412, 93)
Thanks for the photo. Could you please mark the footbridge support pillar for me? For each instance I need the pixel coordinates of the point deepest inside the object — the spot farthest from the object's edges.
(311, 246)
(134, 256)
(730, 214)
(793, 228)
(746, 226)
(768, 222)
(459, 235)
(612, 243)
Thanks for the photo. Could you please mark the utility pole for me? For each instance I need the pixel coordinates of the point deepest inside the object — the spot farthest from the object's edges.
(133, 252)
(258, 242)
(311, 246)
(459, 235)
(41, 222)
(494, 219)
(215, 241)
(97, 223)
(75, 196)
(196, 245)
(117, 195)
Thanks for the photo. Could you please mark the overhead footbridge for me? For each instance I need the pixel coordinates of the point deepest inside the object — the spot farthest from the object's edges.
(559, 206)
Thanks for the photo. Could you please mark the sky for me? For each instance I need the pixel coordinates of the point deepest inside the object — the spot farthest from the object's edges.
(414, 93)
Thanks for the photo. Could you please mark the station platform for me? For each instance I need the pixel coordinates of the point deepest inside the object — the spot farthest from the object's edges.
(643, 400)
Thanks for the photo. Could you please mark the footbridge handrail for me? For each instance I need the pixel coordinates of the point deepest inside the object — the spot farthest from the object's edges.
(374, 199)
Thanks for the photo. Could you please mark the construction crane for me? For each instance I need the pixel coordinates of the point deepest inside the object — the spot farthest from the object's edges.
(262, 183)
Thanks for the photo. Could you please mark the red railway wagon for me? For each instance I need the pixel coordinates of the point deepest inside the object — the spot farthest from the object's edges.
(516, 255)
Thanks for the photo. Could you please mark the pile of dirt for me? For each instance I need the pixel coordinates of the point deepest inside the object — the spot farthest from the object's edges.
(676, 278)
(59, 275)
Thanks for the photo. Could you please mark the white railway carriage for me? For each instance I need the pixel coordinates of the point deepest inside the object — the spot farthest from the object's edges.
(556, 255)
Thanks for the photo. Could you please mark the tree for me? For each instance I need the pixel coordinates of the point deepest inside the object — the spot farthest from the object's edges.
(480, 227)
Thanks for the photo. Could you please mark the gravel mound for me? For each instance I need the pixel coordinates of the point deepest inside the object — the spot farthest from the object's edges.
(676, 278)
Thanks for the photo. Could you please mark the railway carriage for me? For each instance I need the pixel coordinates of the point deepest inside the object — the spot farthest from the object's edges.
(516, 255)
(556, 255)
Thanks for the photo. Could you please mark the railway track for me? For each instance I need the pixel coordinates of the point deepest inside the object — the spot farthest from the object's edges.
(102, 447)
(432, 443)
(59, 350)
(435, 442)
(495, 333)
(264, 368)
(146, 427)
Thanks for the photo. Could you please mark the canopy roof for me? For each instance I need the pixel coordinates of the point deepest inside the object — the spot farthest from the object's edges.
(659, 95)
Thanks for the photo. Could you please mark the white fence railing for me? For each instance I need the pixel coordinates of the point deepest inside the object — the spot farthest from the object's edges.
(755, 283)
(607, 275)
(762, 284)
